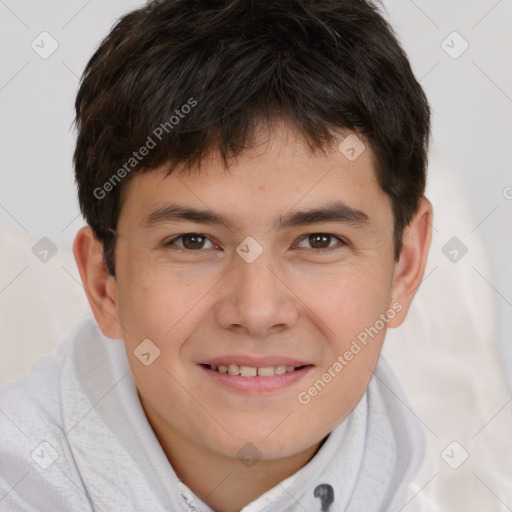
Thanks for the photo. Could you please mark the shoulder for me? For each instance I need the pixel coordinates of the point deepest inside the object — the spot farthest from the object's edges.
(36, 462)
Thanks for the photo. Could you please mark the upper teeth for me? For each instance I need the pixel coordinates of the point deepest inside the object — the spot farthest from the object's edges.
(249, 371)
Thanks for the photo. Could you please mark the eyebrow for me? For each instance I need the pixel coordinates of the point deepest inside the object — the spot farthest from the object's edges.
(332, 212)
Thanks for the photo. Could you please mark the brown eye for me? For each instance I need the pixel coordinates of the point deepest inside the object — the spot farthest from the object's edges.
(319, 241)
(189, 241)
(193, 241)
(322, 241)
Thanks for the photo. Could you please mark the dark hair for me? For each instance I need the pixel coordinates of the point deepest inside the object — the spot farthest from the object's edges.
(186, 77)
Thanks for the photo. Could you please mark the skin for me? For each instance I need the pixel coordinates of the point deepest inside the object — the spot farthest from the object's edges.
(296, 299)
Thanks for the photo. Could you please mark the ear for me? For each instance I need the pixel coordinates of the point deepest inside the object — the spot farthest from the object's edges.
(100, 287)
(410, 268)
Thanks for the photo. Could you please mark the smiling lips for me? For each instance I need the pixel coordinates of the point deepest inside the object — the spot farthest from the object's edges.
(251, 371)
(255, 375)
(254, 367)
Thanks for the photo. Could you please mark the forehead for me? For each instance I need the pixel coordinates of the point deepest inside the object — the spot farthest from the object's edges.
(279, 173)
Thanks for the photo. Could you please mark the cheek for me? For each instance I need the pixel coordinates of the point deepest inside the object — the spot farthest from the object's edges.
(349, 300)
(159, 310)
(350, 306)
(154, 299)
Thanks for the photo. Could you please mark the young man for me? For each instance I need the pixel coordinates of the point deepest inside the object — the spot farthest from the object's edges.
(252, 175)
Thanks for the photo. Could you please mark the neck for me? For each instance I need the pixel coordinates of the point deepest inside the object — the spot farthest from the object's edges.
(224, 483)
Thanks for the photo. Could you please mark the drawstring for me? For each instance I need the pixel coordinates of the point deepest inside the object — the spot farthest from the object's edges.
(326, 494)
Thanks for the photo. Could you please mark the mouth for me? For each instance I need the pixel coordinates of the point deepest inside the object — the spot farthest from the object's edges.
(253, 371)
(255, 376)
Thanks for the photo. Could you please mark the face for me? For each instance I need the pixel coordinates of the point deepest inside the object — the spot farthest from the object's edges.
(268, 290)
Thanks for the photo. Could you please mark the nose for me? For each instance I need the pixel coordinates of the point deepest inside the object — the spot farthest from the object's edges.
(255, 300)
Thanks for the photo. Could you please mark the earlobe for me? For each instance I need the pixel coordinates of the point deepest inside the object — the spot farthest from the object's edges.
(100, 287)
(409, 270)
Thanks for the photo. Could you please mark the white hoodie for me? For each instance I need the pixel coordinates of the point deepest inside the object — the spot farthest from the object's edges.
(75, 438)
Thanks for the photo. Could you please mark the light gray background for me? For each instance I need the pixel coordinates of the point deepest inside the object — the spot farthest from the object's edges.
(471, 97)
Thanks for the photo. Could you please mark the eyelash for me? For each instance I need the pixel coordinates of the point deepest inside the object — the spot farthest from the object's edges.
(341, 240)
